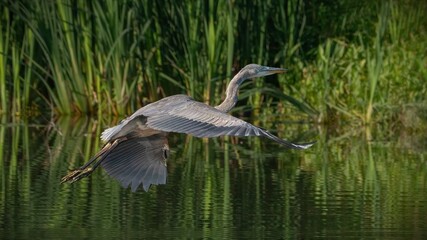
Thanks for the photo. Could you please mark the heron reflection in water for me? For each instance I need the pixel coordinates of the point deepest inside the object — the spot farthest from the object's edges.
(137, 148)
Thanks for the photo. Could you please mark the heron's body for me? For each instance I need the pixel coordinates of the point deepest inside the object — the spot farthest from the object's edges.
(136, 149)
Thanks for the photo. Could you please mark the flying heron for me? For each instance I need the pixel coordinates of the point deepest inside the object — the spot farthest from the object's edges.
(137, 148)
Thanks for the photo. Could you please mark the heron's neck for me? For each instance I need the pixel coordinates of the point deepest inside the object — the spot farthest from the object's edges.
(231, 93)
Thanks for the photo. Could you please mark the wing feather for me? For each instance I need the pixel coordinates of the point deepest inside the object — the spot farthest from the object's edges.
(201, 120)
(181, 114)
(138, 161)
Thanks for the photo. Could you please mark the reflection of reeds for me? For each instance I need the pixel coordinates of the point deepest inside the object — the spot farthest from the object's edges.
(213, 185)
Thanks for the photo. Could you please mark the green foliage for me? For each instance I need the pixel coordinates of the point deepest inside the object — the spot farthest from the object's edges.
(96, 57)
(357, 78)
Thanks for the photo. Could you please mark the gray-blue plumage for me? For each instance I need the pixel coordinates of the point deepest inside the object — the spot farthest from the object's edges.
(182, 114)
(136, 149)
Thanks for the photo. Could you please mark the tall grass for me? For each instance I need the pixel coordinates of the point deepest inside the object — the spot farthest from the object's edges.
(355, 80)
(112, 57)
(4, 49)
(15, 78)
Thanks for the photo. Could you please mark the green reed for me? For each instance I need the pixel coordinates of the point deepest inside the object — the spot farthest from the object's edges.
(374, 59)
(113, 27)
(112, 57)
(16, 61)
(199, 51)
(4, 49)
(360, 79)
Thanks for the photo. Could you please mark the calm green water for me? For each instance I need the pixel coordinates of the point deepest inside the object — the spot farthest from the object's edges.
(343, 187)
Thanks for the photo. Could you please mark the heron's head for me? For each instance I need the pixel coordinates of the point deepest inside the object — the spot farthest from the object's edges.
(255, 70)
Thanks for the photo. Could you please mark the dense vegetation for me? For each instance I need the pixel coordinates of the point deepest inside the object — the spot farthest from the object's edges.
(351, 60)
(356, 61)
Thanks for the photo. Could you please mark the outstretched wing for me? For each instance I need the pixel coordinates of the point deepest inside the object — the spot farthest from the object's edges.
(184, 115)
(181, 114)
(138, 161)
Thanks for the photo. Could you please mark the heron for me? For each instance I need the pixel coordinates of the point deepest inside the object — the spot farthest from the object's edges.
(136, 150)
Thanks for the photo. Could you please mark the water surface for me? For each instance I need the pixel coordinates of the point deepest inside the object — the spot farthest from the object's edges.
(344, 186)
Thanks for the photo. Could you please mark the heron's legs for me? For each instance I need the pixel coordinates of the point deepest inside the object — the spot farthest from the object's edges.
(103, 150)
(85, 170)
